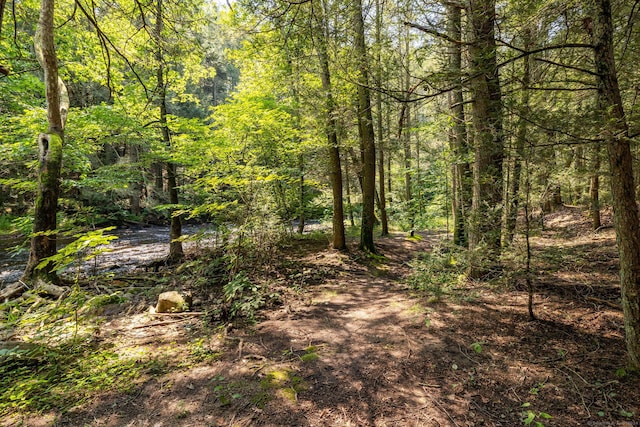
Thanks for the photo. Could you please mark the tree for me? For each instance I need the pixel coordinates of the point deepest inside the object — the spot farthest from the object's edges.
(367, 134)
(176, 252)
(484, 227)
(512, 189)
(331, 129)
(43, 242)
(594, 187)
(460, 200)
(384, 221)
(615, 132)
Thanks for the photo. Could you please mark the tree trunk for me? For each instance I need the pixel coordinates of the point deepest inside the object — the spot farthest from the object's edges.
(339, 240)
(3, 3)
(486, 209)
(136, 184)
(158, 177)
(301, 216)
(366, 134)
(381, 190)
(348, 191)
(176, 253)
(513, 189)
(625, 210)
(460, 200)
(43, 242)
(594, 188)
(404, 126)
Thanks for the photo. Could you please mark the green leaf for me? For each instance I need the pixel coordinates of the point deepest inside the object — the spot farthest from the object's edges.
(626, 413)
(529, 418)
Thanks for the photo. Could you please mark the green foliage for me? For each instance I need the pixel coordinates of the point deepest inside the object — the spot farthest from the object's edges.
(87, 246)
(62, 366)
(530, 418)
(67, 375)
(244, 298)
(477, 346)
(436, 273)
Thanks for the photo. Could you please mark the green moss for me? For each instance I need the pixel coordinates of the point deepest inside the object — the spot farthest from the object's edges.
(309, 357)
(289, 393)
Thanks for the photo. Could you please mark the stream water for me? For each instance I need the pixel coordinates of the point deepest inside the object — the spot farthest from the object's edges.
(133, 248)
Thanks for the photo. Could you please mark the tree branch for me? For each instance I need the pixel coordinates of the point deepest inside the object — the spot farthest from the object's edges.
(435, 33)
(105, 39)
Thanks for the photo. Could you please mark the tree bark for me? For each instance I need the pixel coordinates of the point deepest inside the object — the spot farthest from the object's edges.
(43, 242)
(3, 3)
(461, 193)
(301, 196)
(513, 189)
(368, 146)
(331, 130)
(625, 210)
(136, 182)
(176, 253)
(379, 130)
(486, 209)
(594, 188)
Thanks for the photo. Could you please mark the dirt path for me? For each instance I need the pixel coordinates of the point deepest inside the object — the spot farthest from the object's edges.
(356, 348)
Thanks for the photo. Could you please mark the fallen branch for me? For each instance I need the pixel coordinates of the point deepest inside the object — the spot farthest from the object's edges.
(181, 313)
(166, 322)
(12, 291)
(603, 301)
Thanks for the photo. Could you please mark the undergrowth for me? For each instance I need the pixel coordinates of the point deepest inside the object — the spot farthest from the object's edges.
(57, 363)
(438, 273)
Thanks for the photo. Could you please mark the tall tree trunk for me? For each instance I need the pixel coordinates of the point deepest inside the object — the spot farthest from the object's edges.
(513, 189)
(348, 191)
(594, 188)
(3, 3)
(339, 240)
(158, 177)
(625, 210)
(379, 130)
(405, 125)
(176, 253)
(366, 134)
(486, 209)
(43, 242)
(301, 195)
(136, 182)
(461, 193)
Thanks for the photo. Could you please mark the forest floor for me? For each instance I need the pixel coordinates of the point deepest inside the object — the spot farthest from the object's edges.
(356, 345)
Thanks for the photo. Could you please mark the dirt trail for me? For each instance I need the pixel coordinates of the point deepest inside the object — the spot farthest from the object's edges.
(363, 326)
(342, 356)
(357, 349)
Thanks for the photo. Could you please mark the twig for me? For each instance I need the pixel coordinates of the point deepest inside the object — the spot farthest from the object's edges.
(584, 404)
(430, 385)
(166, 322)
(466, 355)
(603, 301)
(182, 313)
(442, 409)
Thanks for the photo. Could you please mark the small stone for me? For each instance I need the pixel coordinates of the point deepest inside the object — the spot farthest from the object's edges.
(171, 302)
